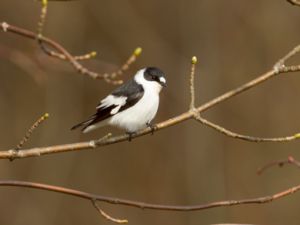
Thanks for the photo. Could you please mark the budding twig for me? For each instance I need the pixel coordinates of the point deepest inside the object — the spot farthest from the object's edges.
(70, 58)
(30, 131)
(48, 51)
(192, 82)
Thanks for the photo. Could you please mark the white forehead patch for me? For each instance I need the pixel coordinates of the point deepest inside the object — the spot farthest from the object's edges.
(162, 80)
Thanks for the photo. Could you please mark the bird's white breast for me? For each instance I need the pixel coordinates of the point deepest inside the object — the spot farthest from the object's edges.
(136, 117)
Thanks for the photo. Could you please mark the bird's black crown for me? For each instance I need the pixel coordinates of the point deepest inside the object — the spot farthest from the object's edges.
(153, 74)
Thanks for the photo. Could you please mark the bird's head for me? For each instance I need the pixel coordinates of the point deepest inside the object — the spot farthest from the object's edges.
(154, 74)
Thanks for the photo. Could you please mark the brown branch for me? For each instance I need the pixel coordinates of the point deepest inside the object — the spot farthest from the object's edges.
(108, 77)
(294, 2)
(190, 114)
(290, 160)
(143, 205)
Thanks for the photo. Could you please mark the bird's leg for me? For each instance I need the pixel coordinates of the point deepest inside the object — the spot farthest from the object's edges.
(130, 134)
(153, 127)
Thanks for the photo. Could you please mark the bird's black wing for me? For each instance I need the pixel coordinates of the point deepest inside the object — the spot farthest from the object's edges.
(130, 91)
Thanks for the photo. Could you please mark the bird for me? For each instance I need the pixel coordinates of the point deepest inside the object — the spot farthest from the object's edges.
(132, 106)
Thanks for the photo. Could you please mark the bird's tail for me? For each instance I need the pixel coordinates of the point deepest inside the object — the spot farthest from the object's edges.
(83, 124)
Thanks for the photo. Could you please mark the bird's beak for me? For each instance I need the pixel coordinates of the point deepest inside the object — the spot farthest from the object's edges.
(163, 81)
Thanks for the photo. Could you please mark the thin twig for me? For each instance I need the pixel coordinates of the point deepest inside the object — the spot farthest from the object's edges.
(30, 131)
(108, 77)
(290, 160)
(241, 136)
(280, 65)
(143, 205)
(44, 48)
(106, 216)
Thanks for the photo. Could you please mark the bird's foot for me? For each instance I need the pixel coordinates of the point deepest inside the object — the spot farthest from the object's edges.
(153, 127)
(130, 134)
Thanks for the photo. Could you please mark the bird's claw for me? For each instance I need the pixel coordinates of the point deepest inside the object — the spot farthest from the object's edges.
(153, 127)
(130, 134)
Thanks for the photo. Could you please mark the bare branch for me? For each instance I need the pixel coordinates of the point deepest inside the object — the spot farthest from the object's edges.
(290, 160)
(143, 205)
(108, 77)
(106, 216)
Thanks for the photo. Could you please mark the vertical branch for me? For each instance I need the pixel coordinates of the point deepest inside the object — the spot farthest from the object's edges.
(42, 18)
(192, 82)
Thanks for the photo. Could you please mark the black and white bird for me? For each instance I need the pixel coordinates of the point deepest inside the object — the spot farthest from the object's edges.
(132, 106)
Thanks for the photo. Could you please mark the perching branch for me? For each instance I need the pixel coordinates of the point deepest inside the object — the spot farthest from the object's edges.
(142, 205)
(193, 113)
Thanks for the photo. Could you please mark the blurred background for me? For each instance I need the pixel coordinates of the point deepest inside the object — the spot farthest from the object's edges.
(235, 41)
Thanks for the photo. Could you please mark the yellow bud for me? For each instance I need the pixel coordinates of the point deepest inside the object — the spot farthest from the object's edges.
(194, 60)
(93, 54)
(137, 51)
(297, 135)
(44, 3)
(46, 115)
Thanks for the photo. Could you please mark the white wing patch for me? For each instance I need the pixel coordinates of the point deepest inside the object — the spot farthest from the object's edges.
(110, 100)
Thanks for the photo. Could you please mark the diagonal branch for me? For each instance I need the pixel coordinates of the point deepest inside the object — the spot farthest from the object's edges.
(30, 131)
(143, 205)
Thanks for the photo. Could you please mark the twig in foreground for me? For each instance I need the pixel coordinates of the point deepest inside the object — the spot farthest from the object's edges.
(143, 205)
